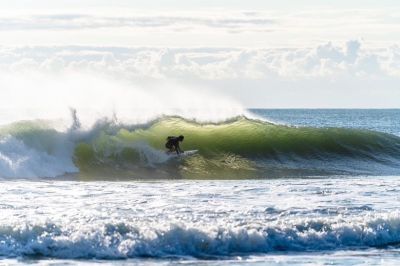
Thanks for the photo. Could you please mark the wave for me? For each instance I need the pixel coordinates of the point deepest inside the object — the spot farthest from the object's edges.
(238, 148)
(32, 149)
(120, 240)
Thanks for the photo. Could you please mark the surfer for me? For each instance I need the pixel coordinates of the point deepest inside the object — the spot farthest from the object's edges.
(173, 144)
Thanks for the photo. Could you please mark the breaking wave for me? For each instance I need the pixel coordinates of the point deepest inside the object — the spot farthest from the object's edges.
(121, 240)
(238, 148)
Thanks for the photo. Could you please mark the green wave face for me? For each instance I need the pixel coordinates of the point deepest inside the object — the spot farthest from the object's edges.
(241, 148)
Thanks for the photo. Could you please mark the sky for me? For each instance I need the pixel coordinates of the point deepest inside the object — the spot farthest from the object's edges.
(260, 53)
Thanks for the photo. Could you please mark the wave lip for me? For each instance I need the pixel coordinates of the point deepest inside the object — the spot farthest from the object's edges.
(130, 240)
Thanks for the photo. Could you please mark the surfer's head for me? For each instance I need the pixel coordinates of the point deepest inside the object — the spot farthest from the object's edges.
(181, 137)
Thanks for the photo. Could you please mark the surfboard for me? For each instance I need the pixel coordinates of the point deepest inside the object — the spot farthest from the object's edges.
(185, 154)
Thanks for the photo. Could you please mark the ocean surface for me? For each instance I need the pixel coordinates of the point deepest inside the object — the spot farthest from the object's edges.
(276, 187)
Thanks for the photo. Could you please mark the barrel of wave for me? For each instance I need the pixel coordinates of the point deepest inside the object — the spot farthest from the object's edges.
(217, 158)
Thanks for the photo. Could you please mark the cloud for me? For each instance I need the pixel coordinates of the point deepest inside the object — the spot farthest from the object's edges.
(323, 61)
(203, 27)
(230, 21)
(327, 75)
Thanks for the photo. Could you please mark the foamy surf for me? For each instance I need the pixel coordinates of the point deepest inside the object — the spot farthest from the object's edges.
(109, 220)
(122, 240)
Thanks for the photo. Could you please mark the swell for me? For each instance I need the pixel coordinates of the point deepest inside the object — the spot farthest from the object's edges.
(238, 148)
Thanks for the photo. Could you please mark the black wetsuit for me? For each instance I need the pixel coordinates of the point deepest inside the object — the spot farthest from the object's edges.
(173, 144)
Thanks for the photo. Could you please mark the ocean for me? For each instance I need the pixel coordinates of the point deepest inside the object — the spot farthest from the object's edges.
(275, 187)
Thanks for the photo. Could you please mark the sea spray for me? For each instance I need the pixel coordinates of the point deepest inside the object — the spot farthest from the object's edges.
(48, 96)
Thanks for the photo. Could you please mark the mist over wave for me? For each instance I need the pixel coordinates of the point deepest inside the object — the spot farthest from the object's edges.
(117, 130)
(39, 136)
(44, 96)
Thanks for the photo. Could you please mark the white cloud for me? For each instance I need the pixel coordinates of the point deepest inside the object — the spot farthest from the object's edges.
(232, 21)
(323, 61)
(303, 77)
(215, 27)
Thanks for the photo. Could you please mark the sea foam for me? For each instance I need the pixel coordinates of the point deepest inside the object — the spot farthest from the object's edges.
(119, 240)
